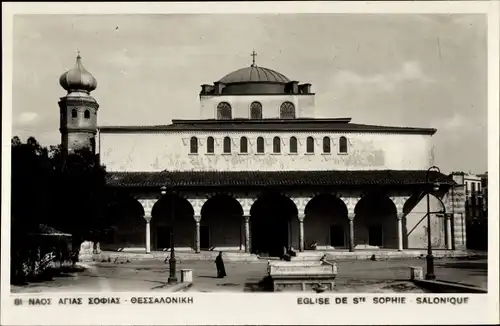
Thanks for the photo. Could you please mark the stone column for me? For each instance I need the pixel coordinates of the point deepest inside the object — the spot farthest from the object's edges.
(351, 231)
(301, 232)
(148, 234)
(449, 244)
(400, 231)
(247, 233)
(197, 220)
(147, 205)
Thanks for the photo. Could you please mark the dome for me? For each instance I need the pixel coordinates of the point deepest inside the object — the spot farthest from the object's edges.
(254, 74)
(78, 78)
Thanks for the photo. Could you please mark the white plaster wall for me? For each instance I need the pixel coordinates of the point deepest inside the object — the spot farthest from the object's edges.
(171, 151)
(415, 226)
(240, 104)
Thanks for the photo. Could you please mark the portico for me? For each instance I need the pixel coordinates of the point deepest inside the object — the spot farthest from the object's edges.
(262, 213)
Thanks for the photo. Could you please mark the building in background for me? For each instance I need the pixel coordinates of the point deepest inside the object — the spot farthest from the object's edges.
(476, 208)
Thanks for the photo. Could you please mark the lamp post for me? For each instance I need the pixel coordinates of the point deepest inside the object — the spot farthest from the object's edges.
(172, 278)
(430, 258)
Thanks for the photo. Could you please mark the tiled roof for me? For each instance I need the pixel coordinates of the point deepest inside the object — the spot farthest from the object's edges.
(342, 125)
(277, 178)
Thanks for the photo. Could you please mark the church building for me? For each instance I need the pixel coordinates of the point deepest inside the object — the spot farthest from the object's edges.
(258, 172)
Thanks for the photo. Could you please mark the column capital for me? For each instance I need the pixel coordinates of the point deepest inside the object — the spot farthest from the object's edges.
(351, 216)
(399, 201)
(246, 204)
(448, 216)
(301, 203)
(301, 217)
(197, 204)
(197, 218)
(148, 218)
(350, 202)
(400, 216)
(246, 218)
(147, 205)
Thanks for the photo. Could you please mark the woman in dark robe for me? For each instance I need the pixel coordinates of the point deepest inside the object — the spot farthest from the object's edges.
(219, 263)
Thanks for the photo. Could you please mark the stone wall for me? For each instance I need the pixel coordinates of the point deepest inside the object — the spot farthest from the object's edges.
(240, 105)
(171, 151)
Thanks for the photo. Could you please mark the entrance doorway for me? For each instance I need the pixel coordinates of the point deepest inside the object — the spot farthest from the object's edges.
(375, 235)
(163, 237)
(204, 237)
(270, 224)
(337, 236)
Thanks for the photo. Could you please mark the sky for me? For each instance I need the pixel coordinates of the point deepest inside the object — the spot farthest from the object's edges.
(385, 69)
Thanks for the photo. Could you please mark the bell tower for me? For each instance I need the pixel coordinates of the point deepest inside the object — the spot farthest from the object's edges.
(78, 110)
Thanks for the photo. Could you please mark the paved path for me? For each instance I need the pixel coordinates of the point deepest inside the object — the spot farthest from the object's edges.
(355, 276)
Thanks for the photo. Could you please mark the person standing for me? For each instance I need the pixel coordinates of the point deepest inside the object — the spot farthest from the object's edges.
(219, 263)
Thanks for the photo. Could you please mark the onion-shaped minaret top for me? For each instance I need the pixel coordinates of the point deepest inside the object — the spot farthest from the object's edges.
(78, 79)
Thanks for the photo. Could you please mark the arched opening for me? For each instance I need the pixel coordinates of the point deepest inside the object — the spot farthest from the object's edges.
(224, 111)
(293, 145)
(86, 114)
(255, 110)
(227, 145)
(310, 145)
(272, 216)
(260, 145)
(326, 145)
(210, 145)
(221, 224)
(326, 223)
(276, 145)
(127, 227)
(375, 222)
(173, 214)
(243, 145)
(194, 145)
(343, 145)
(415, 224)
(74, 113)
(287, 110)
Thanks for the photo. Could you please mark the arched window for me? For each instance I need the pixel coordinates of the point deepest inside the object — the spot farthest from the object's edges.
(343, 145)
(210, 145)
(293, 145)
(194, 145)
(287, 111)
(255, 110)
(86, 114)
(74, 113)
(227, 145)
(224, 111)
(260, 145)
(243, 145)
(326, 145)
(276, 145)
(310, 145)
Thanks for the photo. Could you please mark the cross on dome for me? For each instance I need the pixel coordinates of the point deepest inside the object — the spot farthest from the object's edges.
(253, 55)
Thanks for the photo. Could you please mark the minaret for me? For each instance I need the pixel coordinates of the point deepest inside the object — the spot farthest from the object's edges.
(78, 110)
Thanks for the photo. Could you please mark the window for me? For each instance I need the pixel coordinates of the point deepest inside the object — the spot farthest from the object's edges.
(310, 145)
(287, 111)
(74, 113)
(86, 114)
(473, 187)
(194, 145)
(260, 145)
(210, 145)
(224, 111)
(243, 145)
(479, 187)
(227, 145)
(293, 145)
(276, 145)
(255, 110)
(326, 145)
(343, 145)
